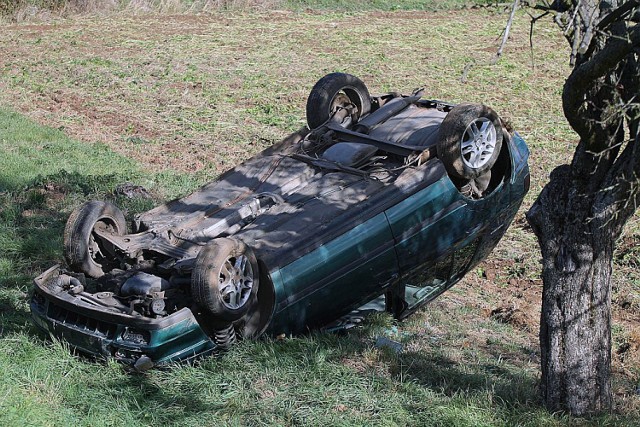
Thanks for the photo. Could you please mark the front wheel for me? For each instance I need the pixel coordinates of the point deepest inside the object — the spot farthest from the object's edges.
(470, 140)
(83, 249)
(224, 281)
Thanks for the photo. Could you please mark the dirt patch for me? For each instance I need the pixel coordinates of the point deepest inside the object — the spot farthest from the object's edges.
(514, 315)
(70, 103)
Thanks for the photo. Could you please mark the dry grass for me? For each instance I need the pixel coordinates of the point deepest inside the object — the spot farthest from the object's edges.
(168, 89)
(47, 10)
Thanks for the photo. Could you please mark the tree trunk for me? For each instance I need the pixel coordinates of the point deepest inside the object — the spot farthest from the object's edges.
(575, 338)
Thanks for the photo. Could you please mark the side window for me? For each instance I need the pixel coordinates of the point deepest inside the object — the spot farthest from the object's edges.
(425, 283)
(462, 259)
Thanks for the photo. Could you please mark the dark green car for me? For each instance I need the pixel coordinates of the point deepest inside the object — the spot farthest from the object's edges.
(387, 196)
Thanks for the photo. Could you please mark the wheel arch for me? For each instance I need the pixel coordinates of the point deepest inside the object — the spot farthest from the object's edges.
(259, 317)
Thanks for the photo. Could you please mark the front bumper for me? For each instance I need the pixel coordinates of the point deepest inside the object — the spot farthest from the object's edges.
(97, 331)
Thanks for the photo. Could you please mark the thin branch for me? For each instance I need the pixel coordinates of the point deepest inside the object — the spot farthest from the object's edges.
(567, 30)
(573, 17)
(465, 71)
(576, 42)
(505, 36)
(589, 21)
(534, 19)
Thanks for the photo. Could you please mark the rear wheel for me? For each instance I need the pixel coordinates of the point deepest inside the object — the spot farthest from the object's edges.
(83, 249)
(470, 140)
(224, 281)
(339, 96)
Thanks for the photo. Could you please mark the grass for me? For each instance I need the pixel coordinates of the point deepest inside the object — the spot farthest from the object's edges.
(33, 9)
(169, 102)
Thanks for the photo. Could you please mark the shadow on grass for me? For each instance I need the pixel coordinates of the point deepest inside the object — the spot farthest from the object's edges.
(443, 375)
(32, 221)
(30, 239)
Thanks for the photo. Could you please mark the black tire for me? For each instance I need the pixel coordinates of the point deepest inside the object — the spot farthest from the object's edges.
(83, 251)
(336, 90)
(470, 139)
(225, 279)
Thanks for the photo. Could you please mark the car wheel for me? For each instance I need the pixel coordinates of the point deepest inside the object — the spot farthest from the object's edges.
(83, 250)
(333, 93)
(225, 279)
(470, 139)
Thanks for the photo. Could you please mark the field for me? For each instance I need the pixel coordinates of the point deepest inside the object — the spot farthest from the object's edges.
(168, 102)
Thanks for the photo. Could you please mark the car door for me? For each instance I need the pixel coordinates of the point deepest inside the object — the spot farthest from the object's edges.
(340, 275)
(429, 228)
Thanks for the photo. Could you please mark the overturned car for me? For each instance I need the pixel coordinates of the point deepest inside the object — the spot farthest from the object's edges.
(387, 197)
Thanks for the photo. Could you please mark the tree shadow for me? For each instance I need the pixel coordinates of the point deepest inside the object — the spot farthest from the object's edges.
(32, 221)
(445, 375)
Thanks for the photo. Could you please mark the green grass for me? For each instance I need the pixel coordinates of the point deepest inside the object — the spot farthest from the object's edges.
(31, 154)
(168, 102)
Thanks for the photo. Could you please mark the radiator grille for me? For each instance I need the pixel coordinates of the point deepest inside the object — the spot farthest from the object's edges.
(81, 322)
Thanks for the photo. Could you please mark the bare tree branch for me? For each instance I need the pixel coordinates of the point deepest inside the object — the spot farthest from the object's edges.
(505, 36)
(576, 41)
(573, 18)
(589, 17)
(584, 75)
(534, 19)
(618, 14)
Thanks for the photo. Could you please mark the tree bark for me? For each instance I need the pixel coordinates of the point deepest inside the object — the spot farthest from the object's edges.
(575, 338)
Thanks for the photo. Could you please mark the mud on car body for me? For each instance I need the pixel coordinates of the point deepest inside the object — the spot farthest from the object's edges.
(391, 197)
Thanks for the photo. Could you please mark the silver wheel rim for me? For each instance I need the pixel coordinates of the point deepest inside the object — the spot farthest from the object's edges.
(478, 143)
(236, 282)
